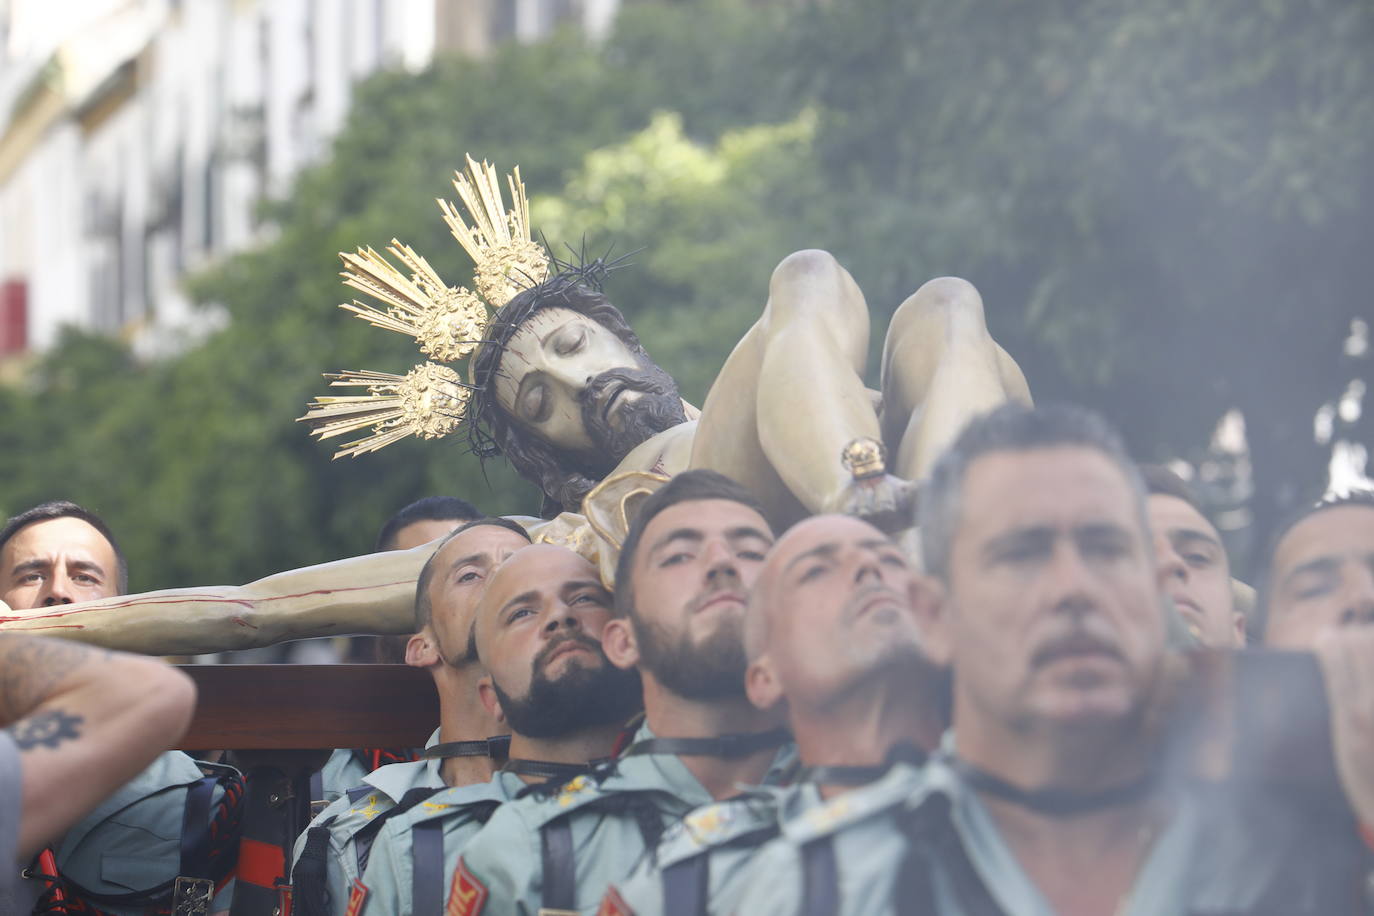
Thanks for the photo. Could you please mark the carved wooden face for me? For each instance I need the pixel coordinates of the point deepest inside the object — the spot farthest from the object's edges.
(548, 365)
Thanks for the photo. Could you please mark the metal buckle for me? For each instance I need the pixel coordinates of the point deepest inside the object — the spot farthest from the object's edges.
(192, 896)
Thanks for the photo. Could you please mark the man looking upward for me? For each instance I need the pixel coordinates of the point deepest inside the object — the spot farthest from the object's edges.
(1051, 797)
(1193, 558)
(537, 631)
(1321, 573)
(833, 641)
(689, 558)
(336, 847)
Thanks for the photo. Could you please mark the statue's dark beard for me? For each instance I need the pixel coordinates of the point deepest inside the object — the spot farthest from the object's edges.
(713, 670)
(658, 409)
(581, 697)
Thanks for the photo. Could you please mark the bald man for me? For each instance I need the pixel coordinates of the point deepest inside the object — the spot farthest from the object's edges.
(834, 645)
(536, 631)
(682, 581)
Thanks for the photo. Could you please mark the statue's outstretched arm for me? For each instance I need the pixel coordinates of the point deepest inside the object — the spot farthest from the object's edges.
(368, 594)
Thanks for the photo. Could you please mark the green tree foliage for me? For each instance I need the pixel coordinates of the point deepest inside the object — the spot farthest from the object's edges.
(1165, 205)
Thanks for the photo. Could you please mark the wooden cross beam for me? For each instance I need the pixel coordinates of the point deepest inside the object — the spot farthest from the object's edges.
(304, 707)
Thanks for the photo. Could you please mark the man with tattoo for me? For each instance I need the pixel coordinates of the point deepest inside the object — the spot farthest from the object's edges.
(120, 856)
(79, 722)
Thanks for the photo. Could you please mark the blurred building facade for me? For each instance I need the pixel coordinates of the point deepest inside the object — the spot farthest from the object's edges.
(138, 136)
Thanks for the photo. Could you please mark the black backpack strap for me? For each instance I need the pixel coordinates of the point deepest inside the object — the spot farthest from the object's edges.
(687, 885)
(820, 878)
(310, 892)
(427, 858)
(932, 841)
(560, 867)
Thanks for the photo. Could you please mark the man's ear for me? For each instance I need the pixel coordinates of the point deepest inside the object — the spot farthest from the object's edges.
(486, 692)
(618, 642)
(422, 650)
(930, 604)
(1238, 621)
(761, 684)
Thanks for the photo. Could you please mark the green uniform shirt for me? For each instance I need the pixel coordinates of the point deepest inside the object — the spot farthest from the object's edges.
(614, 818)
(132, 840)
(458, 813)
(349, 813)
(710, 848)
(1216, 854)
(341, 772)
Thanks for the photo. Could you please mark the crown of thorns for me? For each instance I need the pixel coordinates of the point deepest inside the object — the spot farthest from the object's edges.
(449, 323)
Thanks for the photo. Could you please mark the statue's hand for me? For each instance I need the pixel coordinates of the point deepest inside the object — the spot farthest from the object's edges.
(884, 501)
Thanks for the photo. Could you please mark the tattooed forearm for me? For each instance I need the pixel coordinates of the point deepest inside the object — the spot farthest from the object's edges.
(30, 668)
(48, 728)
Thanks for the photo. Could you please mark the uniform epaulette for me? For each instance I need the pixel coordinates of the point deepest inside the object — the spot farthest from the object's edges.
(716, 825)
(470, 801)
(888, 793)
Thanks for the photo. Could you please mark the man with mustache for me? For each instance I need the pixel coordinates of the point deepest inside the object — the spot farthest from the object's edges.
(1050, 796)
(684, 571)
(334, 850)
(833, 641)
(1197, 570)
(536, 629)
(567, 393)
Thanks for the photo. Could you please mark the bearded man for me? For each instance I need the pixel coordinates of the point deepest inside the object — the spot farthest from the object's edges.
(536, 631)
(688, 562)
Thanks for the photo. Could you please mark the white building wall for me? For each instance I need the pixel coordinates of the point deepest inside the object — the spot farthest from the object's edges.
(232, 99)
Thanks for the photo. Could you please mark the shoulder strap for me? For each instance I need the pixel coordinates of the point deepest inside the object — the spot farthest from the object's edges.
(559, 865)
(195, 829)
(362, 840)
(427, 860)
(310, 895)
(820, 878)
(687, 885)
(428, 879)
(932, 841)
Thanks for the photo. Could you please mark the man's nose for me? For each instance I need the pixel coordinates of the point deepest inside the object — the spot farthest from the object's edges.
(720, 560)
(1069, 581)
(56, 590)
(1358, 597)
(867, 567)
(561, 616)
(1170, 564)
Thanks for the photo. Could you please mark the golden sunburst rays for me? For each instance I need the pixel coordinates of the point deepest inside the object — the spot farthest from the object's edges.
(506, 259)
(429, 402)
(449, 323)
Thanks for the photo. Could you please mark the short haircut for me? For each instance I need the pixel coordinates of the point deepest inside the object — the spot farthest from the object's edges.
(1010, 428)
(688, 486)
(1160, 481)
(429, 509)
(1363, 498)
(61, 508)
(424, 608)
